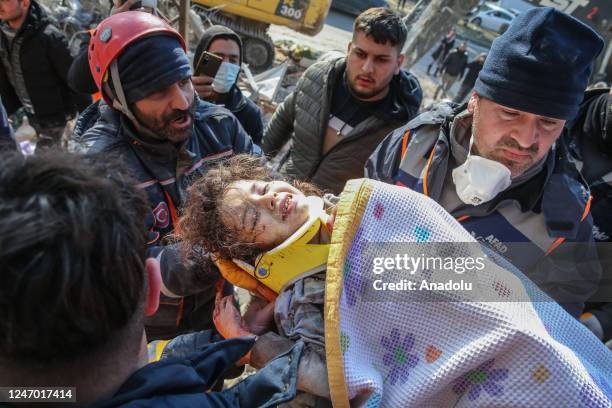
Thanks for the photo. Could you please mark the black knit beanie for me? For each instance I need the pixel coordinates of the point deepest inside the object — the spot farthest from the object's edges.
(541, 64)
(150, 65)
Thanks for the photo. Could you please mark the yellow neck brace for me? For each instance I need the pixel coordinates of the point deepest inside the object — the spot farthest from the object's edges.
(296, 257)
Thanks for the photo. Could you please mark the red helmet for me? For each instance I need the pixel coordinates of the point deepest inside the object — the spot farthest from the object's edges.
(114, 34)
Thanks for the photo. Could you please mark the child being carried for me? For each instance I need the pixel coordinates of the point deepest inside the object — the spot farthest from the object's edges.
(278, 232)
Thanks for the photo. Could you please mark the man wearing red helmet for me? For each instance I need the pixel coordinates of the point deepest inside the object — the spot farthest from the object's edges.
(152, 118)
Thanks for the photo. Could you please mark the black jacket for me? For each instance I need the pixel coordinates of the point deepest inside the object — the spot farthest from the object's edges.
(455, 63)
(473, 69)
(155, 165)
(590, 142)
(7, 141)
(247, 112)
(443, 48)
(185, 381)
(39, 59)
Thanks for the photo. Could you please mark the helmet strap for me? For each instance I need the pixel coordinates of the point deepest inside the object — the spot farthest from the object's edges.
(119, 101)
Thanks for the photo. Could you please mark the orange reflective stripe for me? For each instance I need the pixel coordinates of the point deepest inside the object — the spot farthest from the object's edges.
(587, 208)
(173, 212)
(154, 239)
(560, 240)
(554, 245)
(425, 189)
(463, 218)
(405, 142)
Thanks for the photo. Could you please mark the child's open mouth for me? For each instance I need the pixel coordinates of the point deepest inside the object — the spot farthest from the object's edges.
(286, 206)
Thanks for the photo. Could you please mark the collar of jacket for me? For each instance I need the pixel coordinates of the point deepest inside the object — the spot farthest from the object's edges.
(87, 119)
(404, 88)
(558, 191)
(163, 150)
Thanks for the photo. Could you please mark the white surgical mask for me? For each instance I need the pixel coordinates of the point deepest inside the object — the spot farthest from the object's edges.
(226, 77)
(479, 180)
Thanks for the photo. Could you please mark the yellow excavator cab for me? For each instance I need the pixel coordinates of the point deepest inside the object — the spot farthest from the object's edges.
(251, 19)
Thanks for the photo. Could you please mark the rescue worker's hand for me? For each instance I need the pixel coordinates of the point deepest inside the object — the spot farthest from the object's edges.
(238, 277)
(228, 321)
(226, 316)
(203, 86)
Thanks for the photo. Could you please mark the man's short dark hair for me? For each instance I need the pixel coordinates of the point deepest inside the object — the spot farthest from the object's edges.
(383, 25)
(72, 250)
(224, 37)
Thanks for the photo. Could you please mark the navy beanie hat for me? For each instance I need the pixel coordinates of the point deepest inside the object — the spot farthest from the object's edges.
(541, 64)
(150, 65)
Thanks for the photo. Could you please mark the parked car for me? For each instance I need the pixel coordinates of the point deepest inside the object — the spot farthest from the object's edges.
(356, 7)
(493, 18)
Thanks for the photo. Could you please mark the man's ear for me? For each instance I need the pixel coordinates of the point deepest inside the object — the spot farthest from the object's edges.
(348, 47)
(25, 4)
(154, 282)
(400, 62)
(472, 102)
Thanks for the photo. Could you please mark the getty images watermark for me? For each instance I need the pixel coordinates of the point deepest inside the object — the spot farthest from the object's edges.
(413, 265)
(472, 271)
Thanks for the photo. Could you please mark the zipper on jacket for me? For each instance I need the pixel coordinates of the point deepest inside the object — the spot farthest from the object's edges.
(325, 120)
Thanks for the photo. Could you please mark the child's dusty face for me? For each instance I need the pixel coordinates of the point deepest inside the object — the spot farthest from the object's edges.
(265, 213)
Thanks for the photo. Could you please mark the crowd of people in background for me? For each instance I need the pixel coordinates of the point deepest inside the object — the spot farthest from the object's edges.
(94, 266)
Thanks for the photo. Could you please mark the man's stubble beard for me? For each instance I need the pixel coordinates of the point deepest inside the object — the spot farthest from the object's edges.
(363, 95)
(515, 168)
(161, 128)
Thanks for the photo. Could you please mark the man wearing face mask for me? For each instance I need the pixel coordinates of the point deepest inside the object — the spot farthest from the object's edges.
(151, 117)
(497, 164)
(222, 89)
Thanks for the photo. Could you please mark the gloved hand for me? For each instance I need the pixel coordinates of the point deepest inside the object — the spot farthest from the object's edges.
(238, 277)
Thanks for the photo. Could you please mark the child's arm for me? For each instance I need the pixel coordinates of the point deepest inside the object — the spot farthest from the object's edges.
(259, 316)
(312, 371)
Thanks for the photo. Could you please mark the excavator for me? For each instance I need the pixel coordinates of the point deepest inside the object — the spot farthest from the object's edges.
(252, 18)
(249, 18)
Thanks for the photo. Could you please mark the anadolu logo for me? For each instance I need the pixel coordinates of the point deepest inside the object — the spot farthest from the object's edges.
(162, 215)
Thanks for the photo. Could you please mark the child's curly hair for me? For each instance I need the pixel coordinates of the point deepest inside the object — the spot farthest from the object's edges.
(201, 223)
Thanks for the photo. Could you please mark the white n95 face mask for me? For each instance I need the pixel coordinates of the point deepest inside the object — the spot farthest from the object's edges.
(225, 77)
(479, 180)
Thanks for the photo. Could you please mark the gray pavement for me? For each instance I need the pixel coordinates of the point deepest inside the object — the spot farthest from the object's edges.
(335, 35)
